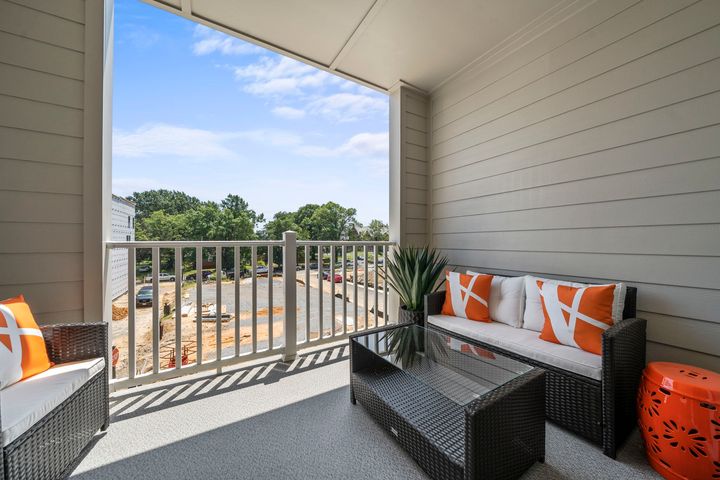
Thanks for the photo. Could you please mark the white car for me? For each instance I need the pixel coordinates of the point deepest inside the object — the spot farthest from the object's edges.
(163, 277)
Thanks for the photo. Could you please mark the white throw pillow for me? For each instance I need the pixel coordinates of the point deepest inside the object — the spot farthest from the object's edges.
(534, 319)
(507, 299)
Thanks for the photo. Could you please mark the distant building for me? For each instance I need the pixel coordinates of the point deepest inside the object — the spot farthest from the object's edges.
(123, 230)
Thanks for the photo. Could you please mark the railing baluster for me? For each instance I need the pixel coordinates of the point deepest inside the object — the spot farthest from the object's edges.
(385, 285)
(307, 293)
(178, 308)
(332, 290)
(313, 315)
(355, 289)
(156, 309)
(320, 291)
(365, 286)
(270, 296)
(344, 288)
(218, 307)
(131, 312)
(253, 255)
(198, 303)
(375, 284)
(236, 278)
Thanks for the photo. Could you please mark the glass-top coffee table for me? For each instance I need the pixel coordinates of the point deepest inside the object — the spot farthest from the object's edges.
(461, 411)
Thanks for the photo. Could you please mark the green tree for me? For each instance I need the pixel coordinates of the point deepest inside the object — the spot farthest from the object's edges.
(170, 201)
(376, 231)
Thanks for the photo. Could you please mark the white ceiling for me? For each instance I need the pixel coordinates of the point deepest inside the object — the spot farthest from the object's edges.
(376, 42)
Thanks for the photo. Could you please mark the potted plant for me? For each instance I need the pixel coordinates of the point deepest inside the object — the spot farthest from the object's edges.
(413, 273)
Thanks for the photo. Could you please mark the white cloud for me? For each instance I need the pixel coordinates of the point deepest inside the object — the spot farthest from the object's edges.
(162, 139)
(289, 113)
(280, 76)
(210, 41)
(347, 107)
(360, 145)
(176, 141)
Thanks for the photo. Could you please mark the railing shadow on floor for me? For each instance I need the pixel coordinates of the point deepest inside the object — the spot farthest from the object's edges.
(133, 402)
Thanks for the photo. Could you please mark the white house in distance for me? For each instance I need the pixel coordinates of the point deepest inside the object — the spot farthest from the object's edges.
(122, 230)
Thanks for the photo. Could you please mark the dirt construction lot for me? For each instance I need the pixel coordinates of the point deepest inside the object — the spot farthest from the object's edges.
(143, 319)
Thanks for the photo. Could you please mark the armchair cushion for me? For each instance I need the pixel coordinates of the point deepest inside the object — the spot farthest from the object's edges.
(26, 402)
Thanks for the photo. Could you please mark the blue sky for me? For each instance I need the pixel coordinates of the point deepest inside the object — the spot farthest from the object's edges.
(202, 112)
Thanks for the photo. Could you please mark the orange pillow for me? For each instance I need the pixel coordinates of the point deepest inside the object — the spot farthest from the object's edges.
(467, 296)
(22, 347)
(576, 316)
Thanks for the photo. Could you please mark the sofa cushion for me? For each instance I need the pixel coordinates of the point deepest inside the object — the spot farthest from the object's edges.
(534, 318)
(507, 299)
(524, 342)
(26, 402)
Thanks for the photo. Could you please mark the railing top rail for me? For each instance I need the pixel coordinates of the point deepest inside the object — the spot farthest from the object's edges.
(342, 242)
(235, 243)
(194, 243)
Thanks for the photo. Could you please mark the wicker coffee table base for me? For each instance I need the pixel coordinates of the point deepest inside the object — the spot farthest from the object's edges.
(497, 436)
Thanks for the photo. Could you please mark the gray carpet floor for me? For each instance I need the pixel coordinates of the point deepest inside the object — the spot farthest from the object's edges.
(273, 421)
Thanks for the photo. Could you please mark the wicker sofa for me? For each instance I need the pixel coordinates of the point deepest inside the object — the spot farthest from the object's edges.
(77, 392)
(598, 406)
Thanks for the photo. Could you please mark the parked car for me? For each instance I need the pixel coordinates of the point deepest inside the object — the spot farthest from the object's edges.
(143, 268)
(262, 271)
(313, 266)
(144, 297)
(162, 277)
(338, 277)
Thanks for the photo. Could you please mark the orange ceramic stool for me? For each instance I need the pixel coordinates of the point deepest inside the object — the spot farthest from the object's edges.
(679, 418)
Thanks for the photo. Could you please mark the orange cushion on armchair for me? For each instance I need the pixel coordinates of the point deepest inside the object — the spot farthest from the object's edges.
(22, 347)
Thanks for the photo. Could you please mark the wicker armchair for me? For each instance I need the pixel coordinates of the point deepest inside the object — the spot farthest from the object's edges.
(52, 446)
(601, 411)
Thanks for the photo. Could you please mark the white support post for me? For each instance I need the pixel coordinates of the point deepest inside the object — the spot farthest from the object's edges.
(290, 292)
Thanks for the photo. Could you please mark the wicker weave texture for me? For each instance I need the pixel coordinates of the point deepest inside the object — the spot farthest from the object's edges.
(50, 448)
(500, 434)
(601, 411)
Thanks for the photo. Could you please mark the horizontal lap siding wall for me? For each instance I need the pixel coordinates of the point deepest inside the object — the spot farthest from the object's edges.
(593, 152)
(41, 155)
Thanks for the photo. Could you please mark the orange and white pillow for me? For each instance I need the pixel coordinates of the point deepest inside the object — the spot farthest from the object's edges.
(467, 296)
(576, 316)
(533, 316)
(22, 347)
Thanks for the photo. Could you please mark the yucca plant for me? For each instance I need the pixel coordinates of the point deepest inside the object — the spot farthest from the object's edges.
(413, 273)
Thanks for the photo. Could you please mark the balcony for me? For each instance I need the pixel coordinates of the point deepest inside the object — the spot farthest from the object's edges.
(307, 293)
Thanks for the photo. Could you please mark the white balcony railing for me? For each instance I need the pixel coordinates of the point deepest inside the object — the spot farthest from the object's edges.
(333, 300)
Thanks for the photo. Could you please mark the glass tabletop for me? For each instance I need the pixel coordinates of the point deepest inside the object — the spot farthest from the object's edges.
(458, 370)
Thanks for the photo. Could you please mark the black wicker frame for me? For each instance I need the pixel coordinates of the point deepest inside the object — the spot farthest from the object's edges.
(49, 449)
(499, 435)
(601, 411)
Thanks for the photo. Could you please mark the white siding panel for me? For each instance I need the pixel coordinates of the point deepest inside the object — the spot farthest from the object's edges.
(48, 297)
(23, 268)
(41, 237)
(44, 87)
(70, 9)
(40, 117)
(40, 207)
(42, 97)
(688, 240)
(593, 153)
(43, 57)
(38, 25)
(40, 177)
(40, 146)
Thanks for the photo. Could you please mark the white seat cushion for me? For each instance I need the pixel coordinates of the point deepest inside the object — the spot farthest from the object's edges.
(524, 342)
(507, 299)
(26, 402)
